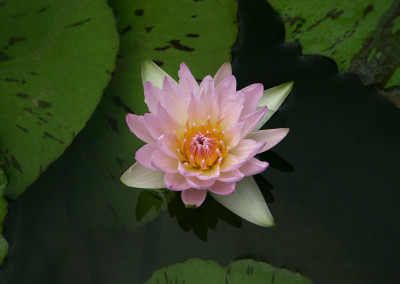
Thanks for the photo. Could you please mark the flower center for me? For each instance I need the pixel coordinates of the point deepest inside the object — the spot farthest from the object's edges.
(202, 146)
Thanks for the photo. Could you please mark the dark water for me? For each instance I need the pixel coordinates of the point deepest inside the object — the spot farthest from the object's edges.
(334, 180)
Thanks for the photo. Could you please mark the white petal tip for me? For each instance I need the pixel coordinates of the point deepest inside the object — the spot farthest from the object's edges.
(141, 177)
(247, 202)
(152, 73)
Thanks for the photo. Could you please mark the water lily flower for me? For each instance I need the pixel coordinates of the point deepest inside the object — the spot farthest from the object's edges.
(203, 138)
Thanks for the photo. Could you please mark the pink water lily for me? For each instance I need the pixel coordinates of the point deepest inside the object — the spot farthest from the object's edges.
(203, 138)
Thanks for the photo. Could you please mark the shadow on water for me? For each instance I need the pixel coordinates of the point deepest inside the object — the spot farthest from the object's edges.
(337, 215)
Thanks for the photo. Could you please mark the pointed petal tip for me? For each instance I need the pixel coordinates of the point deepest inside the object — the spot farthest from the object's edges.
(247, 202)
(152, 73)
(267, 222)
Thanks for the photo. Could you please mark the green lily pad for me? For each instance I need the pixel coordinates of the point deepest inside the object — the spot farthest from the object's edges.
(361, 36)
(56, 57)
(168, 34)
(3, 214)
(200, 271)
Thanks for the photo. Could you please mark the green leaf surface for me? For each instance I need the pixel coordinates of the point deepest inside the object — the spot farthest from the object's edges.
(361, 36)
(200, 271)
(56, 58)
(3, 214)
(106, 148)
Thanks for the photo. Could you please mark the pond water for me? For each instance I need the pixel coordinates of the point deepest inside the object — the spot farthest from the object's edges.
(332, 187)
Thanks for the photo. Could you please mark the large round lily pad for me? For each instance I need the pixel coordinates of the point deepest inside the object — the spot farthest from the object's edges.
(56, 57)
(197, 271)
(361, 36)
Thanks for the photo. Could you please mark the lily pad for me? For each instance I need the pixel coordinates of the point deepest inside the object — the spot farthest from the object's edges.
(3, 214)
(361, 36)
(242, 271)
(168, 34)
(56, 57)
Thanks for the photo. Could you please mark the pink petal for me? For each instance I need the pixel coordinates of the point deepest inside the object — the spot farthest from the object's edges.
(233, 135)
(152, 96)
(166, 122)
(137, 126)
(152, 125)
(163, 162)
(176, 182)
(224, 71)
(251, 94)
(226, 89)
(209, 99)
(169, 145)
(186, 80)
(238, 156)
(211, 173)
(231, 176)
(230, 163)
(253, 167)
(143, 155)
(188, 171)
(246, 149)
(252, 120)
(223, 188)
(230, 111)
(176, 99)
(193, 197)
(270, 136)
(199, 184)
(196, 110)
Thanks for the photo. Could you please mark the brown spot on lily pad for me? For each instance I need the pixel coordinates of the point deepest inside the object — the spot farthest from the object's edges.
(148, 29)
(176, 43)
(28, 109)
(162, 48)
(192, 35)
(11, 80)
(333, 14)
(112, 122)
(15, 164)
(15, 39)
(368, 10)
(22, 128)
(119, 161)
(139, 12)
(119, 103)
(50, 136)
(22, 96)
(158, 63)
(43, 9)
(44, 104)
(79, 23)
(126, 29)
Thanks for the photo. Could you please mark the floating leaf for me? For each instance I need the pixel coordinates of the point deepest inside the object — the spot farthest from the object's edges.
(168, 34)
(361, 36)
(242, 271)
(3, 214)
(56, 57)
